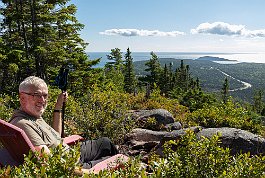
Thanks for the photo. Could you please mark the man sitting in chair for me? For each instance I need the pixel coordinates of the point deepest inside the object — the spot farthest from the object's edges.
(33, 96)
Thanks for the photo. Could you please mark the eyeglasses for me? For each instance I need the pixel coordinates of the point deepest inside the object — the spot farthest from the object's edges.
(37, 95)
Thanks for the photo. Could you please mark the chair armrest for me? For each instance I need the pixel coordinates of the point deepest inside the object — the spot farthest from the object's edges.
(72, 139)
(114, 162)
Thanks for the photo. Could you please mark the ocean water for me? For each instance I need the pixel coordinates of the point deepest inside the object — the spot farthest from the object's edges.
(141, 56)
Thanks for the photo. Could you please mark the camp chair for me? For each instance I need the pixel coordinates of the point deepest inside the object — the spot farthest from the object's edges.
(16, 143)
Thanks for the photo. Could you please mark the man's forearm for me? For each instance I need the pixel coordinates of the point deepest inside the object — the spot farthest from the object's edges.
(57, 121)
(57, 114)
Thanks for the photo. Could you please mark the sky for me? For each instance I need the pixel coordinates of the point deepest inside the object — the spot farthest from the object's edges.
(225, 26)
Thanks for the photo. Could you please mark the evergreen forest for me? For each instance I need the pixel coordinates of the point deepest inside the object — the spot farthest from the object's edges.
(39, 37)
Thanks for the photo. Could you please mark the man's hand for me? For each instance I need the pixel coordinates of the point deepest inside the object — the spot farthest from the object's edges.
(60, 100)
(46, 149)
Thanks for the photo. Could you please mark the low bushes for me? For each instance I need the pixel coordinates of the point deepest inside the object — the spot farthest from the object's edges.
(205, 158)
(58, 164)
(226, 115)
(104, 112)
(188, 157)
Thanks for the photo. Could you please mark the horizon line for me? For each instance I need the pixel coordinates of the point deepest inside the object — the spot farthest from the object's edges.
(179, 52)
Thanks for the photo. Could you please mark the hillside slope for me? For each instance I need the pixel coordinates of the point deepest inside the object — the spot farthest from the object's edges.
(212, 75)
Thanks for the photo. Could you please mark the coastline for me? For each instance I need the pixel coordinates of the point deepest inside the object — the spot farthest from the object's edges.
(230, 58)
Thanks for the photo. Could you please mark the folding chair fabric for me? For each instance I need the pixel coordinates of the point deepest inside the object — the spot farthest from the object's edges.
(15, 142)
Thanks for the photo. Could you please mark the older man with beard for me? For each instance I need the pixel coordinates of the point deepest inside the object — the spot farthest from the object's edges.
(33, 95)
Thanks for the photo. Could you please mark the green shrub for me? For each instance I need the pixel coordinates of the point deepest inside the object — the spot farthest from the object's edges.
(187, 157)
(193, 157)
(73, 111)
(156, 101)
(99, 113)
(133, 168)
(7, 106)
(57, 164)
(196, 99)
(246, 166)
(225, 115)
(104, 112)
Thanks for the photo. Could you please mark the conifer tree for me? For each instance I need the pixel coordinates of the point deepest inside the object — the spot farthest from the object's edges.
(258, 103)
(165, 81)
(129, 75)
(116, 59)
(171, 76)
(225, 90)
(182, 77)
(40, 36)
(114, 69)
(187, 90)
(155, 70)
(197, 84)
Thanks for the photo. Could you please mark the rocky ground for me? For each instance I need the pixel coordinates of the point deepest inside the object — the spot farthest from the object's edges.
(141, 141)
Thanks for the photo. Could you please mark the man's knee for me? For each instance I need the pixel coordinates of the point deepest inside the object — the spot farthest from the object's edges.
(109, 145)
(105, 140)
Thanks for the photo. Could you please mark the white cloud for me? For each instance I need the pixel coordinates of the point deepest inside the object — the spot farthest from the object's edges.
(136, 32)
(255, 33)
(222, 28)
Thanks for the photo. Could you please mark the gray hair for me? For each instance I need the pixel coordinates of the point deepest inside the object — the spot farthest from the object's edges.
(31, 81)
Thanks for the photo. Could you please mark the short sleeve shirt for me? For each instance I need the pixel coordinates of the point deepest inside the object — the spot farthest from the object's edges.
(37, 130)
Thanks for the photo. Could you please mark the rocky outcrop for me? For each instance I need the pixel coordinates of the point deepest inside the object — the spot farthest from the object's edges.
(237, 140)
(173, 126)
(143, 140)
(162, 117)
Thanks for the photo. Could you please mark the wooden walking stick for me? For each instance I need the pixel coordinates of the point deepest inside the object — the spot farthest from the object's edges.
(61, 82)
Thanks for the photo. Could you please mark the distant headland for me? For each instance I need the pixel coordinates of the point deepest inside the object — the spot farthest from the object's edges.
(211, 58)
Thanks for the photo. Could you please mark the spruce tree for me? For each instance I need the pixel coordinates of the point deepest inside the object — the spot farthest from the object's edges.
(40, 36)
(225, 90)
(182, 77)
(155, 70)
(116, 59)
(165, 81)
(197, 84)
(171, 76)
(129, 75)
(114, 69)
(258, 103)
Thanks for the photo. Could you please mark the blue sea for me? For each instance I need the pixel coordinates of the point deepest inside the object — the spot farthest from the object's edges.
(142, 56)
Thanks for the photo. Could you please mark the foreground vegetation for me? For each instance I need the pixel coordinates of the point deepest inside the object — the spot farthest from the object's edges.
(191, 158)
(103, 112)
(40, 38)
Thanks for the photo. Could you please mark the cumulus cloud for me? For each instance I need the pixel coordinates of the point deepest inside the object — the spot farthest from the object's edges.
(136, 32)
(222, 28)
